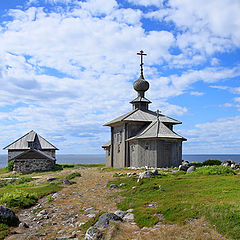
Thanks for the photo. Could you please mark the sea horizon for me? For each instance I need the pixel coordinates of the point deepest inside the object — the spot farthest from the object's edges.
(100, 158)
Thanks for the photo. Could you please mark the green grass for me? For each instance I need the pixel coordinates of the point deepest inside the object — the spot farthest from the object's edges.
(4, 228)
(4, 170)
(214, 170)
(73, 175)
(181, 197)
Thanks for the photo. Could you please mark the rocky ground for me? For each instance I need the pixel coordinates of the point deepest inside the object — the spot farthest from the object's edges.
(75, 204)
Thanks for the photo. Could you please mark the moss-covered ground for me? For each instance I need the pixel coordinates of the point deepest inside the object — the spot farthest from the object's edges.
(181, 197)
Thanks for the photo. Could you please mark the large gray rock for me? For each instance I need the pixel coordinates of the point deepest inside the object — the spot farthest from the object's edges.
(191, 169)
(128, 217)
(185, 163)
(155, 172)
(120, 213)
(183, 168)
(8, 216)
(104, 219)
(228, 163)
(145, 174)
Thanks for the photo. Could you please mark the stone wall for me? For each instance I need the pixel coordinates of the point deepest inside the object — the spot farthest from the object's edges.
(32, 165)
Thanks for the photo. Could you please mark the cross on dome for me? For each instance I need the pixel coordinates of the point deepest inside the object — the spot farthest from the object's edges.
(141, 53)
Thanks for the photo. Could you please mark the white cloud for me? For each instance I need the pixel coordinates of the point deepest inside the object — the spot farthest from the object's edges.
(69, 71)
(206, 28)
(214, 61)
(195, 93)
(174, 85)
(157, 3)
(207, 137)
(97, 7)
(237, 99)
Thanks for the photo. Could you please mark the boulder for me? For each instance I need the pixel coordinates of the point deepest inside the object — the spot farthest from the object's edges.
(233, 166)
(183, 168)
(191, 169)
(67, 182)
(228, 163)
(104, 219)
(185, 163)
(155, 172)
(120, 213)
(145, 174)
(8, 216)
(128, 217)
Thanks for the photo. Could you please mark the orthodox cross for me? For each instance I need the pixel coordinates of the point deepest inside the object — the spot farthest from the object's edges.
(141, 65)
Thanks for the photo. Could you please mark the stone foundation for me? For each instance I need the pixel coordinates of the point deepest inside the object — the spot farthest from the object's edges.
(33, 165)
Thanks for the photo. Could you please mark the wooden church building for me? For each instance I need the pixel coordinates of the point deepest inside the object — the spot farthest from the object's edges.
(31, 153)
(143, 137)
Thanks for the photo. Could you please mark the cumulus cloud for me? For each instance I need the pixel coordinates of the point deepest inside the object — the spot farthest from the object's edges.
(73, 67)
(196, 93)
(207, 137)
(157, 3)
(206, 28)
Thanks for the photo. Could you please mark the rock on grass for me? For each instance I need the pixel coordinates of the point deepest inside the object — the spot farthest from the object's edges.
(8, 217)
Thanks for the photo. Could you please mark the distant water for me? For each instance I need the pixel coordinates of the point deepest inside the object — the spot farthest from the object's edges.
(100, 158)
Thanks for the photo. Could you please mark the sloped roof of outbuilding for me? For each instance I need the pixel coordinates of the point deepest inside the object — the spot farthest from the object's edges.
(138, 115)
(38, 152)
(157, 129)
(22, 142)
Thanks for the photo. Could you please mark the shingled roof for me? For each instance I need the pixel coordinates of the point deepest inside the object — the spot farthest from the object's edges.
(38, 152)
(22, 143)
(138, 115)
(157, 129)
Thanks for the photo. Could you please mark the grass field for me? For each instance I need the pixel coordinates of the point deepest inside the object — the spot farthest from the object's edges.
(184, 197)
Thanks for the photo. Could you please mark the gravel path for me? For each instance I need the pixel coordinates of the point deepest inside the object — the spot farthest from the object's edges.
(76, 204)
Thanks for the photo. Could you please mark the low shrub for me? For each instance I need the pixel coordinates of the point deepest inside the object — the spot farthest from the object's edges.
(214, 170)
(10, 166)
(68, 165)
(73, 175)
(211, 162)
(18, 199)
(57, 167)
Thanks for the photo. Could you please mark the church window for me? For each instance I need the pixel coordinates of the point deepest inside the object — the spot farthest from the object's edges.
(132, 147)
(119, 137)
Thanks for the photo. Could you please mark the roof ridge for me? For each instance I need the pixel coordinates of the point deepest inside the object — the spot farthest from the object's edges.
(47, 141)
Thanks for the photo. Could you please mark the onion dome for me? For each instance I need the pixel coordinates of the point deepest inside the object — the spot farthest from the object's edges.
(141, 84)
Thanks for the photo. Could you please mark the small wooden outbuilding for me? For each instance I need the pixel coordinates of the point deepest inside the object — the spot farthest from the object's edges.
(143, 137)
(31, 153)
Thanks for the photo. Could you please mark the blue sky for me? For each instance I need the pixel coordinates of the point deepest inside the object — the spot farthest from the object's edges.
(67, 67)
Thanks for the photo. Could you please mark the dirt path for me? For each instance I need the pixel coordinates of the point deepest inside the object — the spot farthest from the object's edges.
(76, 204)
